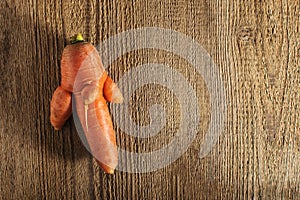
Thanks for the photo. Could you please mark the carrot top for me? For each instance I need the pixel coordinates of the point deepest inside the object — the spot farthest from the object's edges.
(76, 38)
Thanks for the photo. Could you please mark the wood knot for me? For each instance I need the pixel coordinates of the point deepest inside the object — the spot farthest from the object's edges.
(245, 33)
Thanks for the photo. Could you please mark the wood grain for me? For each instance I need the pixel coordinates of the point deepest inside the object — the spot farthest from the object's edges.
(256, 46)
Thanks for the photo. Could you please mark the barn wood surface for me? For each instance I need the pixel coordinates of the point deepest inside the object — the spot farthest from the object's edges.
(255, 46)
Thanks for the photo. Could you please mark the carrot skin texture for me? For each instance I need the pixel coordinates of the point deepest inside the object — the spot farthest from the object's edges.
(61, 107)
(84, 75)
(81, 63)
(99, 133)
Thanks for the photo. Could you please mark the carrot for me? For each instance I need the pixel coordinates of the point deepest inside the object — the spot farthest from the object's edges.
(84, 76)
(112, 92)
(61, 107)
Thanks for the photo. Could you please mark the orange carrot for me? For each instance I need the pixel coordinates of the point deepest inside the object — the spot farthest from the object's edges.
(84, 75)
(111, 91)
(61, 108)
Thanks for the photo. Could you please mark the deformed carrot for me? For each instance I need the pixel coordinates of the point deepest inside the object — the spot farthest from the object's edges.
(84, 76)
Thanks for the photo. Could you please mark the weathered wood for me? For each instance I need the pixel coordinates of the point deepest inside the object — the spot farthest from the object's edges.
(255, 45)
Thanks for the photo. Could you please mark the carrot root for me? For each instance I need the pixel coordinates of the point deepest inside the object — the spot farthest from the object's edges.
(61, 107)
(106, 169)
(111, 92)
(99, 131)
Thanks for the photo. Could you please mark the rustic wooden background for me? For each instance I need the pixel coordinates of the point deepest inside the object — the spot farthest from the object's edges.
(256, 46)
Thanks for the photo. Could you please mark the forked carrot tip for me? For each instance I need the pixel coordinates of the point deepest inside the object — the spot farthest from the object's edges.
(118, 100)
(110, 171)
(117, 97)
(105, 168)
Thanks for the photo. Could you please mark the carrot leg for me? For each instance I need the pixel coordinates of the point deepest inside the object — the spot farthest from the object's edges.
(109, 160)
(111, 91)
(99, 132)
(97, 127)
(61, 107)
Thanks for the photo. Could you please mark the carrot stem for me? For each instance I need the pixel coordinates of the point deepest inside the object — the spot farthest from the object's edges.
(76, 38)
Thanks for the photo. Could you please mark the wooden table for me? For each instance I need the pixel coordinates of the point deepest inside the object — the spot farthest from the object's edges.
(255, 47)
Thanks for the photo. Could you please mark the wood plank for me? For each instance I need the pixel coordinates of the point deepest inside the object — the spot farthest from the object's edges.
(255, 45)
